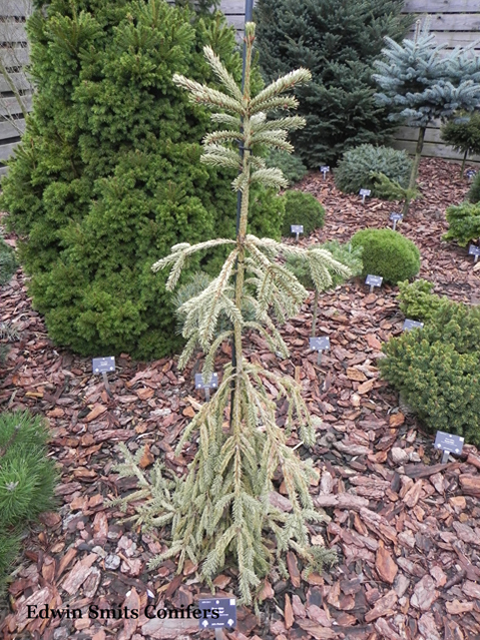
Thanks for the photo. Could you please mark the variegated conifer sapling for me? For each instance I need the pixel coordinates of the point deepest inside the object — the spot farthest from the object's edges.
(222, 510)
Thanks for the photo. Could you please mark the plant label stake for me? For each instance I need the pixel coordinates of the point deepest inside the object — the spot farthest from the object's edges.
(320, 345)
(408, 325)
(364, 193)
(470, 173)
(325, 170)
(448, 443)
(227, 615)
(473, 250)
(374, 281)
(104, 366)
(395, 217)
(297, 229)
(206, 386)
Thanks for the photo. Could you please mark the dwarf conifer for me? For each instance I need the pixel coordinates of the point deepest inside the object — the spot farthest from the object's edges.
(222, 508)
(463, 134)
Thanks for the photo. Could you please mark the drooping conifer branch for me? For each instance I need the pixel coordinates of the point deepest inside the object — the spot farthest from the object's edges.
(222, 510)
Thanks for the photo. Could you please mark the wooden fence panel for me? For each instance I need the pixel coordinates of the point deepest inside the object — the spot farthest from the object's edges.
(454, 23)
(14, 8)
(14, 55)
(8, 130)
(14, 31)
(444, 6)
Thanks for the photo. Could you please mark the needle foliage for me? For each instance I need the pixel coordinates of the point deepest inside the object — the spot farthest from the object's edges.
(107, 176)
(222, 511)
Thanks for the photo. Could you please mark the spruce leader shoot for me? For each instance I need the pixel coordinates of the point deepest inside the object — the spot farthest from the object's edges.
(46, 613)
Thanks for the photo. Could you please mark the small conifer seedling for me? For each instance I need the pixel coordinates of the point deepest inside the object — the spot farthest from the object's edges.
(223, 509)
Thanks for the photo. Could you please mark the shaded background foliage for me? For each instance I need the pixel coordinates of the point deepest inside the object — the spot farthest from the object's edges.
(338, 42)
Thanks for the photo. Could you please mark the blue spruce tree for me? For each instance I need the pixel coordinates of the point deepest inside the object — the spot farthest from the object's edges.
(421, 82)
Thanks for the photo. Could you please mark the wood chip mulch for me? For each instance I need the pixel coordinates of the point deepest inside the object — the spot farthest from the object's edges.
(406, 527)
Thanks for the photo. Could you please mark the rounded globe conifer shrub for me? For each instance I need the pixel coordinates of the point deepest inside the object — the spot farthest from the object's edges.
(302, 208)
(354, 171)
(388, 254)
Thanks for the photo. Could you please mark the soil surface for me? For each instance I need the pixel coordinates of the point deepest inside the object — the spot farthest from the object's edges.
(406, 527)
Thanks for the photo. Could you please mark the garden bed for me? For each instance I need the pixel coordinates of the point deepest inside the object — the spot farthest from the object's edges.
(405, 527)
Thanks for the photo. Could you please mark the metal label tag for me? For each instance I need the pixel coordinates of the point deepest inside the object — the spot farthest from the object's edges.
(449, 442)
(374, 281)
(320, 344)
(296, 228)
(395, 217)
(103, 365)
(470, 173)
(412, 324)
(473, 250)
(325, 169)
(226, 608)
(365, 192)
(200, 384)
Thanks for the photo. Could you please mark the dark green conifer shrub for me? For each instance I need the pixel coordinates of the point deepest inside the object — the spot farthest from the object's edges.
(302, 208)
(107, 177)
(417, 301)
(388, 254)
(10, 546)
(463, 134)
(355, 169)
(8, 263)
(473, 194)
(289, 164)
(437, 370)
(27, 480)
(463, 223)
(338, 42)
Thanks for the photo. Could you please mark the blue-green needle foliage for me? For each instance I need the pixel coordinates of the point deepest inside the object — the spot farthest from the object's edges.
(108, 177)
(420, 82)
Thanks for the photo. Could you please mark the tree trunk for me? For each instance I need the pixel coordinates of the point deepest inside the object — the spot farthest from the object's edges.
(315, 313)
(464, 161)
(414, 172)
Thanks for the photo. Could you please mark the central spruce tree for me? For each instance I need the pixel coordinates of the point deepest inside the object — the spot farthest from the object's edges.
(338, 42)
(223, 507)
(107, 176)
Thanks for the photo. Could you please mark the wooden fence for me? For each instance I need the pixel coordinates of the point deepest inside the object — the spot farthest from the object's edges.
(13, 56)
(454, 23)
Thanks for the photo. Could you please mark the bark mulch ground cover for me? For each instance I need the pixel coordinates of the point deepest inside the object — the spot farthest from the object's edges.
(406, 528)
